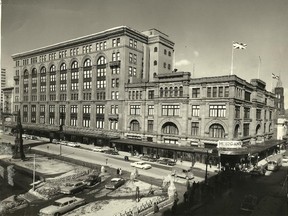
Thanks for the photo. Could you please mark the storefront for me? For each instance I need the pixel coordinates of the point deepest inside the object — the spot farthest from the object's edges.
(175, 152)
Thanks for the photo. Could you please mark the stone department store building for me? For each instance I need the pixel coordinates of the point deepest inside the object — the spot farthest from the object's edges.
(118, 87)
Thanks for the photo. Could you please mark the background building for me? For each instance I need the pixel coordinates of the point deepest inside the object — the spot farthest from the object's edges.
(3, 84)
(119, 87)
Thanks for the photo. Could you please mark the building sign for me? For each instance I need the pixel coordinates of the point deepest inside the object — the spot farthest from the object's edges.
(134, 137)
(229, 144)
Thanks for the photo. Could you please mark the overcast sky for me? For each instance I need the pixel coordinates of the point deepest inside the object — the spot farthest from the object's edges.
(203, 30)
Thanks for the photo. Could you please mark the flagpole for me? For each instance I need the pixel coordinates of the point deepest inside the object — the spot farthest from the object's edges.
(232, 59)
(259, 67)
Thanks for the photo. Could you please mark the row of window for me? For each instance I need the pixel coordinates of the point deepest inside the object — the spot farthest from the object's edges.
(73, 52)
(165, 51)
(74, 96)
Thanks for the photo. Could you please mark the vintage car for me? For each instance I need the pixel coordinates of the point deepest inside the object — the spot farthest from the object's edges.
(73, 144)
(166, 161)
(141, 165)
(182, 172)
(72, 187)
(98, 149)
(249, 202)
(92, 180)
(62, 206)
(111, 151)
(285, 159)
(115, 183)
(148, 158)
(258, 171)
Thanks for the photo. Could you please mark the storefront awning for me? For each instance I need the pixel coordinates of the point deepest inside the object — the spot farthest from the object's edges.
(164, 146)
(252, 149)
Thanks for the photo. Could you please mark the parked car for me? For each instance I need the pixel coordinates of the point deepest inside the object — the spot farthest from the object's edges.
(148, 158)
(258, 171)
(62, 206)
(166, 161)
(249, 202)
(63, 142)
(56, 141)
(72, 144)
(285, 159)
(92, 180)
(98, 149)
(72, 187)
(111, 151)
(141, 165)
(115, 183)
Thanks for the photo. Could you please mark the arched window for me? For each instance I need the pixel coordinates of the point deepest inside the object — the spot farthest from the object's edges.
(180, 91)
(270, 128)
(165, 52)
(161, 92)
(257, 130)
(63, 67)
(166, 92)
(216, 131)
(53, 68)
(74, 65)
(34, 72)
(155, 63)
(169, 53)
(42, 79)
(171, 92)
(155, 49)
(43, 70)
(101, 60)
(87, 74)
(170, 128)
(134, 125)
(87, 63)
(176, 92)
(26, 81)
(236, 131)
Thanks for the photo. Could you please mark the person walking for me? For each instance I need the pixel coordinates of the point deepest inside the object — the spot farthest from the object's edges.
(120, 171)
(106, 161)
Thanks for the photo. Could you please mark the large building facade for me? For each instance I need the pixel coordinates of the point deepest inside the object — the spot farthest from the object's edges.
(119, 86)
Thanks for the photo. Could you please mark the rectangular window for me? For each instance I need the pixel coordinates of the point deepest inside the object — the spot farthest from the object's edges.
(237, 111)
(195, 92)
(100, 109)
(150, 125)
(130, 57)
(214, 92)
(246, 113)
(258, 114)
(150, 94)
(247, 96)
(217, 110)
(245, 129)
(195, 110)
(194, 128)
(209, 90)
(226, 91)
(134, 109)
(170, 110)
(150, 109)
(220, 91)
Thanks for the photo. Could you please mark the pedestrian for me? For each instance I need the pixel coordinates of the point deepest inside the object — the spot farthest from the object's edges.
(185, 195)
(47, 147)
(106, 161)
(120, 171)
(156, 207)
(117, 171)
